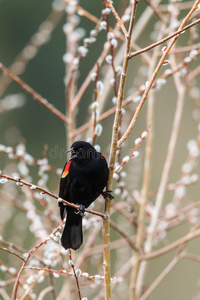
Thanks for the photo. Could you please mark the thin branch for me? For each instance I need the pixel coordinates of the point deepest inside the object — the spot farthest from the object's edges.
(115, 14)
(172, 246)
(76, 277)
(146, 179)
(106, 223)
(44, 191)
(131, 55)
(9, 251)
(34, 94)
(128, 100)
(166, 52)
(125, 235)
(19, 64)
(52, 285)
(29, 254)
(4, 294)
(44, 292)
(161, 276)
(157, 12)
(180, 6)
(193, 74)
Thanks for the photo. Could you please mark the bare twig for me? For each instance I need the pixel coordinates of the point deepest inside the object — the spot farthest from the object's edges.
(76, 277)
(34, 94)
(164, 39)
(117, 17)
(9, 251)
(172, 246)
(161, 276)
(29, 254)
(106, 223)
(50, 194)
(44, 292)
(166, 52)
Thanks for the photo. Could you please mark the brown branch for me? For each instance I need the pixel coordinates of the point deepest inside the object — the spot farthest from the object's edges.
(180, 6)
(44, 292)
(117, 120)
(172, 246)
(162, 59)
(131, 55)
(157, 12)
(76, 277)
(193, 74)
(34, 94)
(115, 14)
(125, 235)
(186, 49)
(161, 276)
(4, 294)
(19, 64)
(127, 101)
(29, 254)
(52, 195)
(9, 251)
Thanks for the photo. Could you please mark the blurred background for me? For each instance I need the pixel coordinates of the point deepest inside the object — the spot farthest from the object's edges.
(24, 121)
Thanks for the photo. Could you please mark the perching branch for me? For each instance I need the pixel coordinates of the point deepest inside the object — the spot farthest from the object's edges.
(44, 191)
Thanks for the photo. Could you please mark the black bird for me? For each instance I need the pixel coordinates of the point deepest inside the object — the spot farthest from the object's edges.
(84, 177)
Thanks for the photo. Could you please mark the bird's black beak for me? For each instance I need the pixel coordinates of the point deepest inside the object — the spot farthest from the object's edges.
(70, 150)
(73, 154)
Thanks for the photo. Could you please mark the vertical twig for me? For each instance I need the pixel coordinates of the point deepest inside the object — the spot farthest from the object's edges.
(146, 179)
(106, 222)
(76, 277)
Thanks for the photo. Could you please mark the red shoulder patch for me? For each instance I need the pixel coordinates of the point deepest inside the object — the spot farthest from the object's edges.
(103, 155)
(66, 169)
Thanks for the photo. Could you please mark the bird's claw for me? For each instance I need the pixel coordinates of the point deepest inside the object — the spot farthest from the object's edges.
(81, 210)
(107, 194)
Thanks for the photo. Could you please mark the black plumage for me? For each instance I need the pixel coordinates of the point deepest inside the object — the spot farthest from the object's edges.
(84, 177)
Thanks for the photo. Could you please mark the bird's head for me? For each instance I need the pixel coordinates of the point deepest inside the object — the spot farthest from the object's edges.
(82, 150)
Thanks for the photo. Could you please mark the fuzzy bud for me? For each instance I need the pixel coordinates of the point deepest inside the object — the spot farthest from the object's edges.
(103, 25)
(98, 129)
(138, 141)
(3, 180)
(78, 273)
(144, 135)
(106, 11)
(114, 43)
(83, 51)
(100, 87)
(93, 76)
(70, 262)
(114, 100)
(119, 70)
(125, 159)
(109, 59)
(135, 154)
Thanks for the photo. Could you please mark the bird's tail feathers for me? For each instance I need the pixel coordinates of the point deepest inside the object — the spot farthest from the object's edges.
(72, 236)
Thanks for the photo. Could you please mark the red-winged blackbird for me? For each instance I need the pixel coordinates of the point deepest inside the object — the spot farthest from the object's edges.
(84, 177)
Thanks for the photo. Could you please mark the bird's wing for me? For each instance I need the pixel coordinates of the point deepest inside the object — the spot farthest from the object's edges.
(64, 188)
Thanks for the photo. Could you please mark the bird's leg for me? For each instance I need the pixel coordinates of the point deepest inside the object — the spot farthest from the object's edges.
(81, 210)
(107, 194)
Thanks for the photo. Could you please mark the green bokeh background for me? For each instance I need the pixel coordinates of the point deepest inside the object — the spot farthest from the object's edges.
(19, 20)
